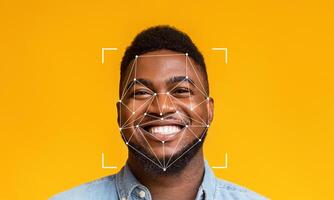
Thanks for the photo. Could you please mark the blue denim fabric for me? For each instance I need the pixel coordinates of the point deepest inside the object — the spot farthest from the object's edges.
(124, 186)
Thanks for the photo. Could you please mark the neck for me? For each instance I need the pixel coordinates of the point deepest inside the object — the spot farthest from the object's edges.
(182, 186)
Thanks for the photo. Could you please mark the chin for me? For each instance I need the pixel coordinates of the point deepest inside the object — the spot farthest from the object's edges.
(174, 162)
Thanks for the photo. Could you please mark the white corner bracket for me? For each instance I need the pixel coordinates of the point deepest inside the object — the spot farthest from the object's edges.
(222, 167)
(107, 49)
(221, 49)
(106, 167)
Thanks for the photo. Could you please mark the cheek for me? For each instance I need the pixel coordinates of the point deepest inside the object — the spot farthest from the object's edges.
(126, 116)
(199, 112)
(136, 106)
(197, 131)
(130, 111)
(129, 117)
(129, 131)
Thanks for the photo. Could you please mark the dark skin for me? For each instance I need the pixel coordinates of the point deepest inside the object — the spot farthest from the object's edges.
(165, 91)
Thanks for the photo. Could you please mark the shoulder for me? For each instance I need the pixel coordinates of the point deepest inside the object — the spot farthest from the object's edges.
(229, 190)
(103, 188)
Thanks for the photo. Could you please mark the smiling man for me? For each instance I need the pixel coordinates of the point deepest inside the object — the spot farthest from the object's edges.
(164, 113)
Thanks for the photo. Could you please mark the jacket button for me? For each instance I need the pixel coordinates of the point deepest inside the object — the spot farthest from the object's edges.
(141, 194)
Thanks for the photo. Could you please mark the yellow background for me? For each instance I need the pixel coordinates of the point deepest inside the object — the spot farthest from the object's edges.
(274, 99)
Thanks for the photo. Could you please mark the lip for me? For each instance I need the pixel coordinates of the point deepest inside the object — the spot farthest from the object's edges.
(162, 137)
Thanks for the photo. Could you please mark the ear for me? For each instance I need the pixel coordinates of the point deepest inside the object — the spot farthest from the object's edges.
(118, 107)
(210, 108)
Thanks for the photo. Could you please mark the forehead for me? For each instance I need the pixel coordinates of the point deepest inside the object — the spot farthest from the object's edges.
(163, 64)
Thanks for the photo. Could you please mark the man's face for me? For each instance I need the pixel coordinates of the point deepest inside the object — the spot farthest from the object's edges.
(164, 105)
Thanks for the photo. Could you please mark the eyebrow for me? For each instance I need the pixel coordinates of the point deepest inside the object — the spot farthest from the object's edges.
(178, 79)
(144, 82)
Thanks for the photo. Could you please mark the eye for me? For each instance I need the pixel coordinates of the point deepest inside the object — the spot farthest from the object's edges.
(182, 92)
(141, 94)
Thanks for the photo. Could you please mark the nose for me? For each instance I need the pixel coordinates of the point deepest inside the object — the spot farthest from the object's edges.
(161, 105)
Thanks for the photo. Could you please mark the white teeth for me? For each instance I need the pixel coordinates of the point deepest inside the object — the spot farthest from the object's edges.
(166, 130)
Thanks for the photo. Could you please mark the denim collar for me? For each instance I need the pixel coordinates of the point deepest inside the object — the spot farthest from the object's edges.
(209, 182)
(126, 183)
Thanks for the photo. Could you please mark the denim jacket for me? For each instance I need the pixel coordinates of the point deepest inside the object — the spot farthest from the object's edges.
(124, 186)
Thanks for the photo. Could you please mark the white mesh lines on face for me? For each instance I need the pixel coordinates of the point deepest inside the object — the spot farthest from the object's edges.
(163, 107)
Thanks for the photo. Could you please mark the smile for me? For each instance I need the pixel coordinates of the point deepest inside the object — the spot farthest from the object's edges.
(163, 130)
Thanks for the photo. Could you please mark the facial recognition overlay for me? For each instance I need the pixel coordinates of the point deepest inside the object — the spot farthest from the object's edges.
(164, 109)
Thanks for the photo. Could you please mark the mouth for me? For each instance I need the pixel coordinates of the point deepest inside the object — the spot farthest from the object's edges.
(163, 131)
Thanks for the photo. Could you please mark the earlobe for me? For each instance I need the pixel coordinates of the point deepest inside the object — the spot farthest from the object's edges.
(210, 107)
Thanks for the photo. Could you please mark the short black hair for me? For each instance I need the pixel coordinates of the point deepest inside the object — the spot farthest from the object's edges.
(158, 38)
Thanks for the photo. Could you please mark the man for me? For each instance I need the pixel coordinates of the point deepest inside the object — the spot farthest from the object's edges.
(164, 112)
